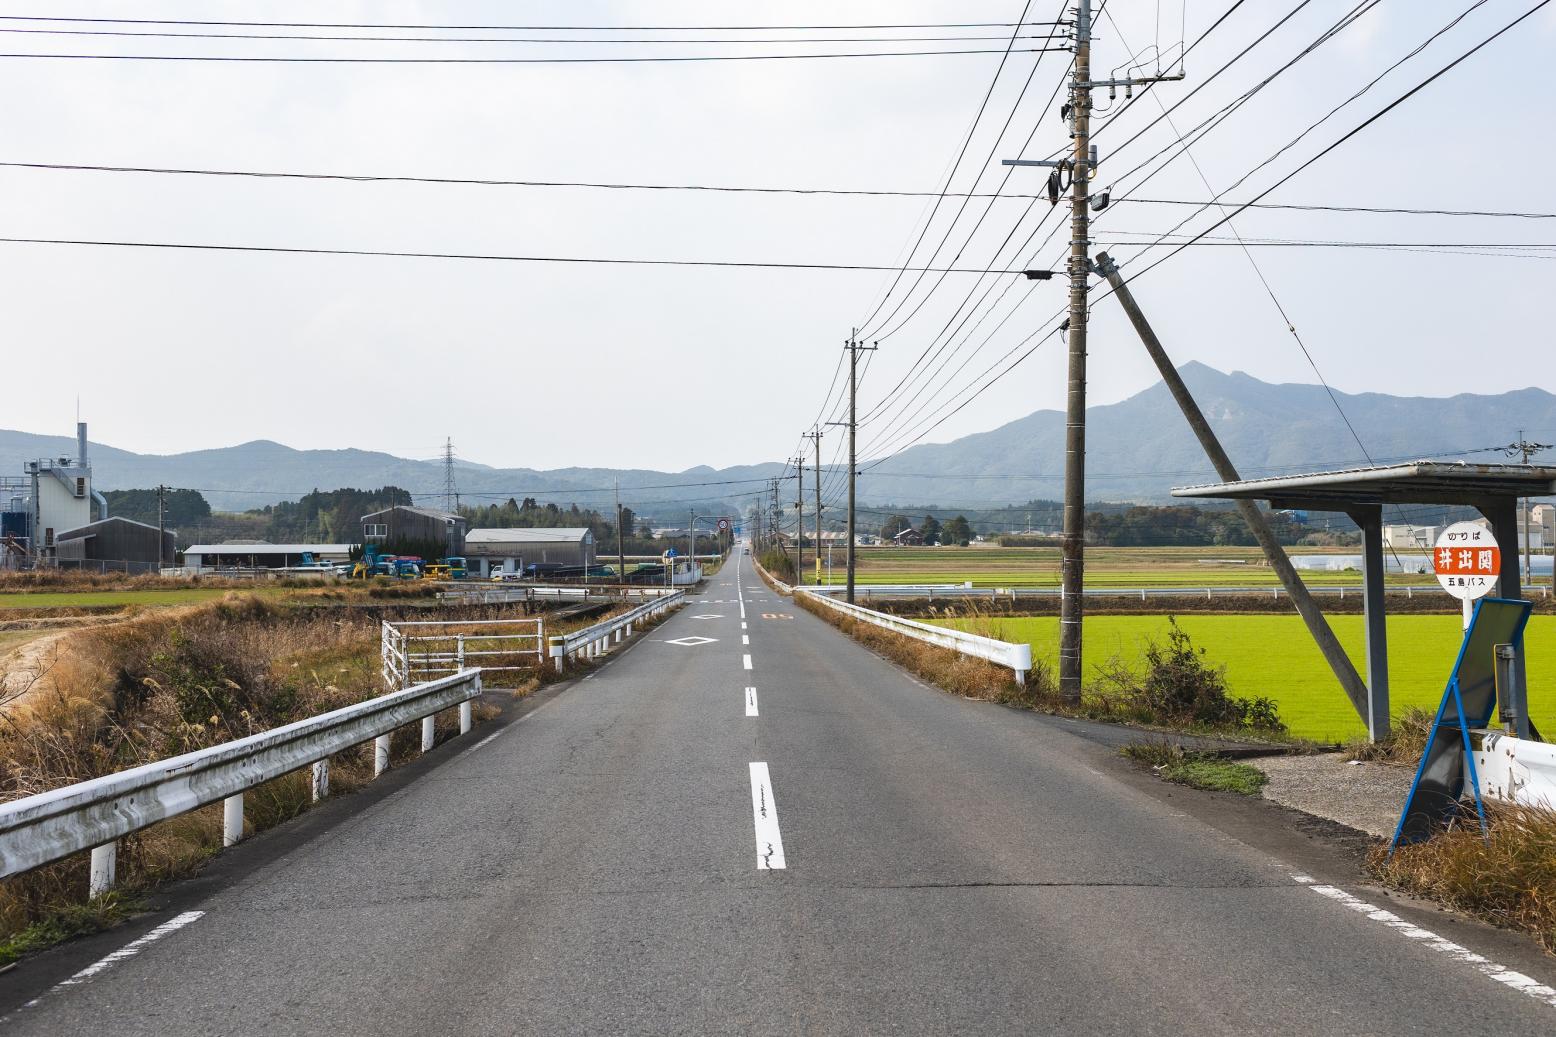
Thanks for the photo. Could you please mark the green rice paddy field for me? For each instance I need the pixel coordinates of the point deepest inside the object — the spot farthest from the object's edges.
(1273, 656)
(987, 566)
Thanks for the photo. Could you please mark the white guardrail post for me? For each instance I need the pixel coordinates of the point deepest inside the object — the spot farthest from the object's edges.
(1016, 655)
(94, 815)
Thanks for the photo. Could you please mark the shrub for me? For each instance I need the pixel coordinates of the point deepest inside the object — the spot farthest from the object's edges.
(1179, 688)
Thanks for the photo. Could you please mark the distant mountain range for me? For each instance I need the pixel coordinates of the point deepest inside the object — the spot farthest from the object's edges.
(1137, 449)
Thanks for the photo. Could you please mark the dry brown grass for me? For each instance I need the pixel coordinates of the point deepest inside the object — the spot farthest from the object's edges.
(1405, 744)
(1508, 879)
(171, 681)
(956, 673)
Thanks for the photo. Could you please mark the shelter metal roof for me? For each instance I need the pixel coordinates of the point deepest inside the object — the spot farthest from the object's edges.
(1418, 482)
(527, 535)
(436, 513)
(91, 528)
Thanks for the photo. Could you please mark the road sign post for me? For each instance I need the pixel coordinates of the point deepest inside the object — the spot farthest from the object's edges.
(1468, 563)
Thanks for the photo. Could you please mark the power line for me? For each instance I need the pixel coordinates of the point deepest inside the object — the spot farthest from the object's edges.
(519, 28)
(642, 59)
(727, 41)
(1401, 99)
(490, 257)
(950, 177)
(731, 189)
(1380, 209)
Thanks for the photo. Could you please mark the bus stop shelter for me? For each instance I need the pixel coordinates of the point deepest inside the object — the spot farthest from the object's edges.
(1362, 493)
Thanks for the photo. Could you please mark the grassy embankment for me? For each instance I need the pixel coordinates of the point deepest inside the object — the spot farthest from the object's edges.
(1273, 656)
(173, 680)
(1105, 567)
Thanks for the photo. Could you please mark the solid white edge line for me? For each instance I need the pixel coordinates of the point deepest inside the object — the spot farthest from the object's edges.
(764, 811)
(129, 950)
(747, 658)
(1501, 974)
(751, 702)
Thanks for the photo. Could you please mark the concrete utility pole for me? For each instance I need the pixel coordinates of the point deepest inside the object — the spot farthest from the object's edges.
(161, 527)
(691, 530)
(1312, 615)
(621, 557)
(854, 347)
(815, 436)
(1081, 166)
(799, 520)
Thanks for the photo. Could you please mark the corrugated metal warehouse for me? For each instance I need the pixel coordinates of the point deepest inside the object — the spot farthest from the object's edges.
(513, 549)
(403, 529)
(115, 542)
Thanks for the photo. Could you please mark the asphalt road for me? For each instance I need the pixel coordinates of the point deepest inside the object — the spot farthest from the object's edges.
(636, 853)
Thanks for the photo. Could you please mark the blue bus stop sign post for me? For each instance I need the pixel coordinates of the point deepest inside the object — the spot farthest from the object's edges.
(1467, 705)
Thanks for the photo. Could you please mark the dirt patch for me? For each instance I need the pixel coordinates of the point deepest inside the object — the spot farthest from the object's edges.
(1366, 796)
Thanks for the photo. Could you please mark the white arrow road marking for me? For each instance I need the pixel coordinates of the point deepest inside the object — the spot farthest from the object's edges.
(751, 702)
(764, 808)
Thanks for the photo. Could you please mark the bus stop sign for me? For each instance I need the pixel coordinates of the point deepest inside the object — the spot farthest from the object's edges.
(1467, 560)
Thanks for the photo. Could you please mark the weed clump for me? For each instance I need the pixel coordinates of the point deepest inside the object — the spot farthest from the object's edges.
(1197, 770)
(1179, 688)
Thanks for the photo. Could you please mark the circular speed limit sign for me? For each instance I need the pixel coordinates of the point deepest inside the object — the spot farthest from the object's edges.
(723, 524)
(1467, 560)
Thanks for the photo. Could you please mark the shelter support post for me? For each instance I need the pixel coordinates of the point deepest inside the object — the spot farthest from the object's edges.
(1344, 671)
(1503, 516)
(1370, 519)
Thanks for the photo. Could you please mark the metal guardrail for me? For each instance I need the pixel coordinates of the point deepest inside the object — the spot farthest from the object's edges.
(504, 594)
(94, 815)
(1517, 770)
(413, 650)
(953, 591)
(595, 640)
(1017, 656)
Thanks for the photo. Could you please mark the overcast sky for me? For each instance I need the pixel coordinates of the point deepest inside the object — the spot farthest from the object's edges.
(545, 366)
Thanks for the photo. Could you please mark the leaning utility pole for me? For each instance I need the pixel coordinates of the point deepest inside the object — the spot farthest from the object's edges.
(1344, 670)
(1081, 165)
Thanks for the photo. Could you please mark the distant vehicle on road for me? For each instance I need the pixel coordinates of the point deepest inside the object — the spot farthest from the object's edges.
(503, 575)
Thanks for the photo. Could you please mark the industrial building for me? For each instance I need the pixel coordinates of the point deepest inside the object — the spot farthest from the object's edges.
(488, 550)
(116, 545)
(53, 494)
(259, 555)
(427, 532)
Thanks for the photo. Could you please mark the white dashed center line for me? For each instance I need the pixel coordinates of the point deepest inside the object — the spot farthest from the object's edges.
(747, 658)
(764, 810)
(751, 702)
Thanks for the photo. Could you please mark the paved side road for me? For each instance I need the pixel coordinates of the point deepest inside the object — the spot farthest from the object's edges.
(782, 836)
